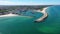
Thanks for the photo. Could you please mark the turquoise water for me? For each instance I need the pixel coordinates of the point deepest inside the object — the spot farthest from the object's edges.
(26, 24)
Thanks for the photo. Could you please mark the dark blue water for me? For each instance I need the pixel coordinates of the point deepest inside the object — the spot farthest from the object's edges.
(26, 25)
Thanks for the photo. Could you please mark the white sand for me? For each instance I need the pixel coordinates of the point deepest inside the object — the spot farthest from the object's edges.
(8, 15)
(44, 14)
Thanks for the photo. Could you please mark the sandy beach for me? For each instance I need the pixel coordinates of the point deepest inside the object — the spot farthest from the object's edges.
(11, 15)
(8, 15)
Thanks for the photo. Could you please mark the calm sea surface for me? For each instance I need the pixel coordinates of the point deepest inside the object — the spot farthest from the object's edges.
(26, 24)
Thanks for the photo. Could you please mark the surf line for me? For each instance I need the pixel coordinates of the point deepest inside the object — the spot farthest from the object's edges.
(45, 15)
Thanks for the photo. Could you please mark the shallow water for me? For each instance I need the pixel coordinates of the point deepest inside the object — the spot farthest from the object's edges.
(26, 25)
(18, 24)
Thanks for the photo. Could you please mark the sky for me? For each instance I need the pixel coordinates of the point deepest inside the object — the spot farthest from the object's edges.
(29, 2)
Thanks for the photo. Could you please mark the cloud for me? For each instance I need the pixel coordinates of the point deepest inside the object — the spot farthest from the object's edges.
(25, 3)
(17, 3)
(8, 3)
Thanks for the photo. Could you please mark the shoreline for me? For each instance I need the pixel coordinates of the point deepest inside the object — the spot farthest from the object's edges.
(45, 15)
(10, 15)
(38, 20)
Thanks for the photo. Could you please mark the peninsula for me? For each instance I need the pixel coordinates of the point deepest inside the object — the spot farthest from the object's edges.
(45, 15)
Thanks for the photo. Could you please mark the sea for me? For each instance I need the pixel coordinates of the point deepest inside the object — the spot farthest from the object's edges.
(25, 24)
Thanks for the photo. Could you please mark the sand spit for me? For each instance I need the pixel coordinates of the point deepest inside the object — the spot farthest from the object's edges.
(45, 15)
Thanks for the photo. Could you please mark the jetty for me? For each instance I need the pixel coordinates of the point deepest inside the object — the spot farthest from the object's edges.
(45, 15)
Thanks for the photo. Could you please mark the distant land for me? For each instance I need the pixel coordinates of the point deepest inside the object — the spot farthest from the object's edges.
(23, 9)
(24, 6)
(5, 9)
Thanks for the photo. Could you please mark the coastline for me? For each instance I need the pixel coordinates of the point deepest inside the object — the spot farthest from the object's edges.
(8, 15)
(38, 20)
(45, 15)
(11, 15)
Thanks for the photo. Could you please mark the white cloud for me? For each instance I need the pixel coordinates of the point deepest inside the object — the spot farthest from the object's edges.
(17, 3)
(23, 3)
(8, 3)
